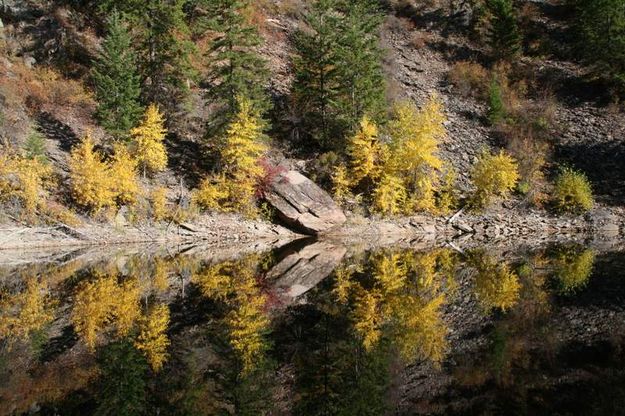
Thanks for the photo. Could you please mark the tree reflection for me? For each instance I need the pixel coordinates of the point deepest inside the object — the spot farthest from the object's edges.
(573, 267)
(496, 285)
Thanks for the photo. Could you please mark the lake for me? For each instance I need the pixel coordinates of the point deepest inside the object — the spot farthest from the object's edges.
(314, 328)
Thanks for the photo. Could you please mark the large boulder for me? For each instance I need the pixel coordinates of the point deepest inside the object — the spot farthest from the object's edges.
(301, 270)
(303, 205)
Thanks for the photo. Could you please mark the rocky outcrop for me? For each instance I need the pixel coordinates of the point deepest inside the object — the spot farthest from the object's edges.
(303, 205)
(303, 269)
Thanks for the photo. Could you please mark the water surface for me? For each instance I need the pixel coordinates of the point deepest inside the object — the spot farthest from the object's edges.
(315, 329)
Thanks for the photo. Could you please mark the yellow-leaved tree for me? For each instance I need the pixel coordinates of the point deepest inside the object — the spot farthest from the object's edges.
(366, 152)
(147, 141)
(152, 339)
(242, 146)
(25, 180)
(415, 137)
(124, 169)
(92, 185)
(493, 175)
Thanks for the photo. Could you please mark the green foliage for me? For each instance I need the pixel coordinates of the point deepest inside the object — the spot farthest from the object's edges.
(235, 67)
(163, 44)
(116, 80)
(496, 109)
(503, 34)
(493, 175)
(572, 191)
(123, 387)
(600, 25)
(35, 147)
(338, 75)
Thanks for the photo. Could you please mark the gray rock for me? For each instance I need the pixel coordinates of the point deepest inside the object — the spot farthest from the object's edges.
(304, 205)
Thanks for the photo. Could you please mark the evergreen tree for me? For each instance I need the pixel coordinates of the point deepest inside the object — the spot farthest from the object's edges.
(317, 83)
(496, 109)
(117, 83)
(236, 69)
(165, 50)
(600, 25)
(361, 74)
(339, 75)
(503, 34)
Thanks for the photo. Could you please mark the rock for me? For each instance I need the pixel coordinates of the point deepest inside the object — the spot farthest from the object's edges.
(302, 270)
(29, 61)
(304, 205)
(461, 226)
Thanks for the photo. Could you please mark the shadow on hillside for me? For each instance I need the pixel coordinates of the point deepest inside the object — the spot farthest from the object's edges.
(185, 158)
(603, 163)
(55, 130)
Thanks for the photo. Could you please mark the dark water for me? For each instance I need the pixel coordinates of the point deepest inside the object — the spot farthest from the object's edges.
(316, 329)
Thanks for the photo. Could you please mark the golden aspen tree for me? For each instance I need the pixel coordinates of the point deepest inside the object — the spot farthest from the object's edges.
(90, 177)
(365, 152)
(124, 170)
(147, 141)
(152, 339)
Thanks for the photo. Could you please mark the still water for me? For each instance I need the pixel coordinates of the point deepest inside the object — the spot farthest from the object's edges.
(315, 329)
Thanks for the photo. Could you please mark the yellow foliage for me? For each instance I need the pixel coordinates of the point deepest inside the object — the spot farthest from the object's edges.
(389, 197)
(247, 324)
(367, 319)
(101, 302)
(495, 284)
(415, 137)
(243, 144)
(147, 140)
(152, 339)
(160, 280)
(573, 269)
(158, 202)
(234, 189)
(24, 179)
(93, 308)
(366, 152)
(573, 192)
(92, 184)
(124, 169)
(25, 312)
(493, 175)
(446, 200)
(340, 183)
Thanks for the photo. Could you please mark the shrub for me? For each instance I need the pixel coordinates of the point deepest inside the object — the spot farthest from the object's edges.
(91, 182)
(212, 193)
(35, 146)
(24, 180)
(147, 141)
(158, 202)
(470, 78)
(493, 175)
(572, 191)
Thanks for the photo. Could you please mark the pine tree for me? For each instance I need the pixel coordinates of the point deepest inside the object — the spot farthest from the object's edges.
(362, 77)
(236, 69)
(116, 79)
(600, 25)
(503, 34)
(147, 141)
(339, 76)
(164, 48)
(317, 84)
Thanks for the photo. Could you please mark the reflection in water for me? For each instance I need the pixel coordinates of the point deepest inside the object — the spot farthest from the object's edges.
(385, 331)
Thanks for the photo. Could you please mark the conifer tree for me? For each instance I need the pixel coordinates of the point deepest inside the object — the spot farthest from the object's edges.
(601, 28)
(164, 48)
(116, 79)
(317, 83)
(339, 77)
(503, 34)
(236, 69)
(147, 141)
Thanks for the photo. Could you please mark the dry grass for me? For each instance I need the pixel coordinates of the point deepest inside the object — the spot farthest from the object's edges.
(470, 78)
